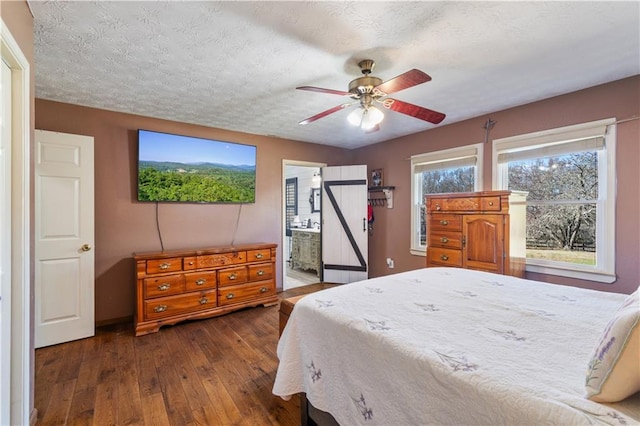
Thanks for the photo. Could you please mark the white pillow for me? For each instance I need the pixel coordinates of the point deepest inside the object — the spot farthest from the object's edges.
(613, 373)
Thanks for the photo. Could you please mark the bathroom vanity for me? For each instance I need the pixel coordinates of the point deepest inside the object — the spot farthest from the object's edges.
(305, 249)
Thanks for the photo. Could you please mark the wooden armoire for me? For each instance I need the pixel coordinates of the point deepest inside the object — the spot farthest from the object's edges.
(477, 230)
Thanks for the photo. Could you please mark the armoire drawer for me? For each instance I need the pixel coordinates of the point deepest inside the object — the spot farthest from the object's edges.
(446, 240)
(445, 222)
(444, 257)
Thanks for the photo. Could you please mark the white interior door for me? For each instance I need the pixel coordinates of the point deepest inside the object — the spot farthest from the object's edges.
(344, 224)
(64, 238)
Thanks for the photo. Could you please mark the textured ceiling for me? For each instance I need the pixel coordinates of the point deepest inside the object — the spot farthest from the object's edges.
(235, 65)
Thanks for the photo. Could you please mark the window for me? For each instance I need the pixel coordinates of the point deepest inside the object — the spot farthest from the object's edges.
(569, 175)
(450, 170)
(291, 202)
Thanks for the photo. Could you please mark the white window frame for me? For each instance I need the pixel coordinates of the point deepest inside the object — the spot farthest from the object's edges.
(435, 157)
(604, 270)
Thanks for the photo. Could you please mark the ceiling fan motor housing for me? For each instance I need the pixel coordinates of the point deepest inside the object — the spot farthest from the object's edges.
(364, 85)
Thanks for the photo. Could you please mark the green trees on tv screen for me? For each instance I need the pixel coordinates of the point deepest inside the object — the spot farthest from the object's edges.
(196, 183)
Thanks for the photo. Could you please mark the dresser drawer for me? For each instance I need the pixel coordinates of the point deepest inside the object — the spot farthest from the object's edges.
(200, 280)
(444, 257)
(164, 265)
(190, 263)
(163, 307)
(262, 271)
(231, 276)
(222, 259)
(454, 204)
(245, 292)
(163, 286)
(491, 204)
(257, 255)
(445, 222)
(446, 239)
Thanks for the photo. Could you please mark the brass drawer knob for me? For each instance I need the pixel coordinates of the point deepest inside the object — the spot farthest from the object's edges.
(201, 281)
(233, 276)
(229, 295)
(160, 308)
(259, 256)
(438, 207)
(164, 266)
(260, 273)
(263, 289)
(444, 222)
(444, 257)
(164, 287)
(444, 240)
(204, 300)
(490, 203)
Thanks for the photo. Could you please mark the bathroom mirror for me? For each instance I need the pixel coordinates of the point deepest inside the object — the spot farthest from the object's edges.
(314, 199)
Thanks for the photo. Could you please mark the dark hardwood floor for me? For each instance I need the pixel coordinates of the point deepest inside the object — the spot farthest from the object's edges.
(217, 371)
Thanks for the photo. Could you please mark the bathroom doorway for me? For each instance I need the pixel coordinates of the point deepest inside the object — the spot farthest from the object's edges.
(301, 249)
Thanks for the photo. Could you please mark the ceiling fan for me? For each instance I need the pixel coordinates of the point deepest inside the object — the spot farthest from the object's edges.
(367, 90)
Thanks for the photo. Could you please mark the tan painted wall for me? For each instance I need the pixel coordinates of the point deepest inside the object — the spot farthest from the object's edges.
(618, 99)
(124, 226)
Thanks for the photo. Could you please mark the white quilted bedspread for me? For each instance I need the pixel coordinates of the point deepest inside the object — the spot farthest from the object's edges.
(448, 346)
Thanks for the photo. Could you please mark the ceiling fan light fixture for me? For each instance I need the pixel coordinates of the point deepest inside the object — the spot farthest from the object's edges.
(365, 117)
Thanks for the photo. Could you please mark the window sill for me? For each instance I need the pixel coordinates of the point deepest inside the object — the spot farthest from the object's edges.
(418, 252)
(597, 276)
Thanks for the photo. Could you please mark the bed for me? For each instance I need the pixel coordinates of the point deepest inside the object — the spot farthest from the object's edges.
(451, 346)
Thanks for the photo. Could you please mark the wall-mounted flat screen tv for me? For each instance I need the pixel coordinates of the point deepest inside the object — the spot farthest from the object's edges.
(174, 168)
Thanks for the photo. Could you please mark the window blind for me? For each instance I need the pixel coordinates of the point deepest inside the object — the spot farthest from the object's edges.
(438, 161)
(506, 155)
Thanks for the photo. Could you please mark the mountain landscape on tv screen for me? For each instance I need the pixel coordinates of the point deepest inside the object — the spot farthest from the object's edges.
(196, 182)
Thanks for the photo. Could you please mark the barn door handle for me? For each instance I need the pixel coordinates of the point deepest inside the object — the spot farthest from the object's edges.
(364, 224)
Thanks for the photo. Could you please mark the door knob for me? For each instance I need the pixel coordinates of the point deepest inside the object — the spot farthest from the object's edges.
(85, 247)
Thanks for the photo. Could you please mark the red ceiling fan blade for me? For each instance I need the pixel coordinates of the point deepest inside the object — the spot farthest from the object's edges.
(416, 111)
(321, 90)
(403, 81)
(325, 113)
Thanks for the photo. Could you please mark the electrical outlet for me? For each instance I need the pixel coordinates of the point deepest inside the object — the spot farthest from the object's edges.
(390, 262)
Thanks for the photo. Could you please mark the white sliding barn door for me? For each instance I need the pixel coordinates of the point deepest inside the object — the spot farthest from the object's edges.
(344, 224)
(64, 238)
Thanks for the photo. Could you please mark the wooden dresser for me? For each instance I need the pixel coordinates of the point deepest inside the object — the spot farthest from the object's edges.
(192, 284)
(305, 249)
(477, 230)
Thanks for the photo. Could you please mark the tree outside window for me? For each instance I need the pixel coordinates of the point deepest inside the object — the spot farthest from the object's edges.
(569, 174)
(451, 170)
(561, 205)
